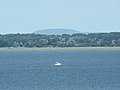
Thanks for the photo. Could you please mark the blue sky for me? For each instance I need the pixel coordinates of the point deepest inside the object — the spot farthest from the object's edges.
(26, 16)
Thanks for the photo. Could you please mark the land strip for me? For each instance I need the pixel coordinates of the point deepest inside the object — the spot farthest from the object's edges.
(61, 48)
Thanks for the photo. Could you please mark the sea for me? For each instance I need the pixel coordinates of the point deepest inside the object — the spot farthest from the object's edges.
(80, 70)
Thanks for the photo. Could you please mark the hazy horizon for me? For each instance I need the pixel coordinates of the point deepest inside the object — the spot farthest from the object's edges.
(26, 16)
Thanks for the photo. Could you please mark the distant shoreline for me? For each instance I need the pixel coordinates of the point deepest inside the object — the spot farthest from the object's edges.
(61, 48)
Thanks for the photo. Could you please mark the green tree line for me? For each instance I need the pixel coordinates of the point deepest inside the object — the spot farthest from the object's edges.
(65, 40)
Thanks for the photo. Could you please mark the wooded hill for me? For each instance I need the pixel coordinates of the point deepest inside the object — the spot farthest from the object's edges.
(64, 40)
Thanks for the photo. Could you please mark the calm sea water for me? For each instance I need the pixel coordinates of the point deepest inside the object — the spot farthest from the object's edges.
(80, 70)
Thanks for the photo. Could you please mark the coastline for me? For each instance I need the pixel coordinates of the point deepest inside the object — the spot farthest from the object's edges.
(60, 48)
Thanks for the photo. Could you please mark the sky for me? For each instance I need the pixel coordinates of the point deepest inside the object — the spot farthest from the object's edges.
(27, 16)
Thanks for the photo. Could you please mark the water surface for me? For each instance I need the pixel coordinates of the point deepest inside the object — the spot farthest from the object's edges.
(80, 70)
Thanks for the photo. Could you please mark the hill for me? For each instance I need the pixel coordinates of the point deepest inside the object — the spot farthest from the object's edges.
(56, 31)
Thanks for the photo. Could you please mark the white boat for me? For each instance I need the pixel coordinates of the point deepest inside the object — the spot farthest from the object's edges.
(57, 64)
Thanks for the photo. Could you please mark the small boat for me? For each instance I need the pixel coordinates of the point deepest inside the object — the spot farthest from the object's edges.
(57, 64)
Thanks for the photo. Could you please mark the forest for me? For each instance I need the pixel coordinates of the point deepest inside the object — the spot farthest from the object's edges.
(64, 40)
